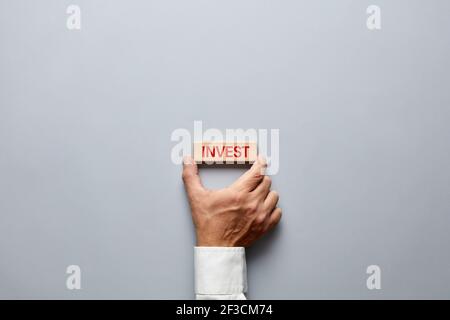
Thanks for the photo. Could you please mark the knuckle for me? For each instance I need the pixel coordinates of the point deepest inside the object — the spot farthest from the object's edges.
(259, 220)
(185, 176)
(275, 195)
(252, 207)
(237, 198)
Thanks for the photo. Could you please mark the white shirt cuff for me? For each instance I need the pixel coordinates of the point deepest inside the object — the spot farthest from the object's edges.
(220, 270)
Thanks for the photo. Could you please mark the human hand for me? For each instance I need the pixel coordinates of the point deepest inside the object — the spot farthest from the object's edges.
(235, 216)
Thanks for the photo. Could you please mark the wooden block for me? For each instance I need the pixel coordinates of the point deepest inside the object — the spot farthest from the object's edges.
(214, 152)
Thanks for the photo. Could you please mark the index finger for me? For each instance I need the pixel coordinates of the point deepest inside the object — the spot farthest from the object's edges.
(253, 177)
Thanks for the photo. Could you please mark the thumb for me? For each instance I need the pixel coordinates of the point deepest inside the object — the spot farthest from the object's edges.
(190, 176)
(253, 177)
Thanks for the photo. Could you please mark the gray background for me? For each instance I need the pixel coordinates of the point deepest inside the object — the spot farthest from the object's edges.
(86, 118)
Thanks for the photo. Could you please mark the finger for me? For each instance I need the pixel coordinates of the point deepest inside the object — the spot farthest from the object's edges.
(190, 176)
(253, 177)
(262, 190)
(271, 201)
(274, 218)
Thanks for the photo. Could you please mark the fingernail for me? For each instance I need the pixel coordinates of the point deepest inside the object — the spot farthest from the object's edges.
(262, 160)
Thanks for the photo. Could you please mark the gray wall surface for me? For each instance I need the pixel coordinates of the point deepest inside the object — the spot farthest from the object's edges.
(86, 117)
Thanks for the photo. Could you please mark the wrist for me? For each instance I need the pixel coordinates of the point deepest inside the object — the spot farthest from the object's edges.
(207, 242)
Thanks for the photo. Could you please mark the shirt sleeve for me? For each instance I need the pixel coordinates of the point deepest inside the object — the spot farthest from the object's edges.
(220, 273)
